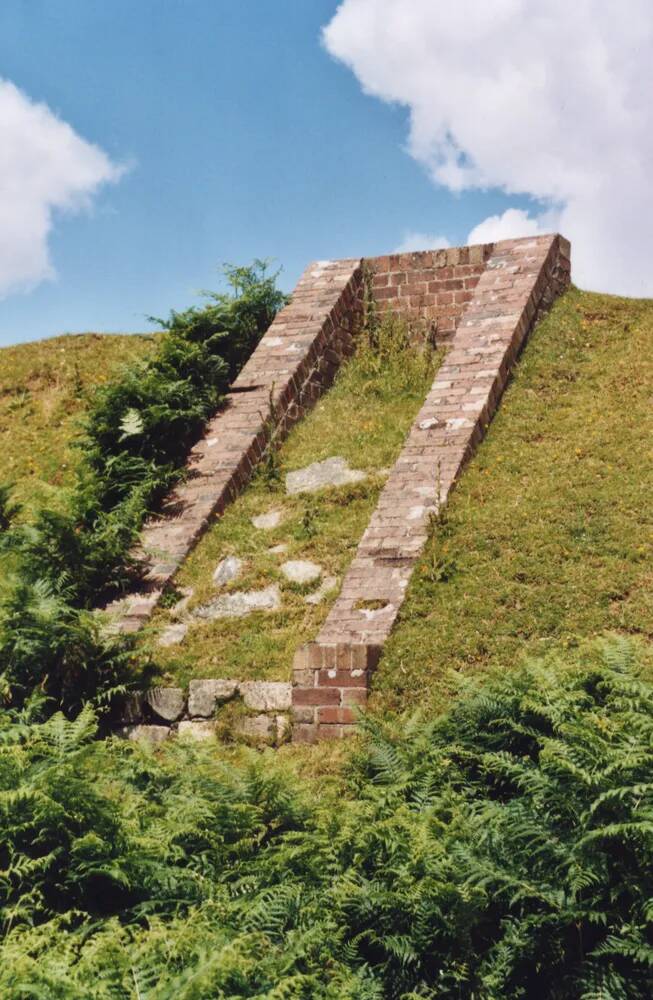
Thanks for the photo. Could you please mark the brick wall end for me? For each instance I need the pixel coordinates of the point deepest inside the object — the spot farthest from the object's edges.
(330, 686)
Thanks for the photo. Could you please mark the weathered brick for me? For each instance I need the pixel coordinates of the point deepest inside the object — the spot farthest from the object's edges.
(316, 696)
(344, 716)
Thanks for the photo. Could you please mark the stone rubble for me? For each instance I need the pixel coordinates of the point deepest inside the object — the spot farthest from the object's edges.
(301, 571)
(328, 584)
(278, 550)
(265, 522)
(240, 604)
(228, 569)
(173, 634)
(333, 471)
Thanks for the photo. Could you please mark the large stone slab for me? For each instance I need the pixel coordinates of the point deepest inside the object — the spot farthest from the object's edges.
(205, 695)
(240, 604)
(266, 696)
(301, 571)
(166, 702)
(334, 471)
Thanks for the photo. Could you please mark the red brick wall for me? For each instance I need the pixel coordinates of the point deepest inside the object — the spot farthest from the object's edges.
(520, 278)
(434, 286)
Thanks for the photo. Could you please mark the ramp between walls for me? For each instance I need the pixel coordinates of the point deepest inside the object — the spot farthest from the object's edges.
(332, 675)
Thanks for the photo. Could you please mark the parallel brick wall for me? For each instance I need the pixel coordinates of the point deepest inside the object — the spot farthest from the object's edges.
(434, 286)
(331, 676)
(294, 363)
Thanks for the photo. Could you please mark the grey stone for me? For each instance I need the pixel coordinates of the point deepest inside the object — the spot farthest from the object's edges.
(166, 702)
(146, 734)
(227, 570)
(205, 695)
(278, 550)
(257, 729)
(426, 425)
(331, 472)
(198, 729)
(173, 634)
(266, 696)
(301, 571)
(240, 604)
(328, 584)
(267, 521)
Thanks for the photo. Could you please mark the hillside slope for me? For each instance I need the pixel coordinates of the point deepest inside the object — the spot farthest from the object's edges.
(547, 540)
(43, 388)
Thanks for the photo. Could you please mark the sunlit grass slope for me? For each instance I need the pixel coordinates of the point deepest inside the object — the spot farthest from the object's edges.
(548, 539)
(44, 387)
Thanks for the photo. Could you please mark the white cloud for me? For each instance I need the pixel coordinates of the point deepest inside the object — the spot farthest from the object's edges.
(421, 241)
(45, 167)
(512, 223)
(549, 99)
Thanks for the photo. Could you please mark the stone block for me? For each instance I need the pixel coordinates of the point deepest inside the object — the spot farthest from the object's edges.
(201, 730)
(204, 696)
(146, 734)
(266, 696)
(260, 729)
(166, 702)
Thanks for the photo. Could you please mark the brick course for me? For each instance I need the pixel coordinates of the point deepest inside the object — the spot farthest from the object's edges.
(432, 286)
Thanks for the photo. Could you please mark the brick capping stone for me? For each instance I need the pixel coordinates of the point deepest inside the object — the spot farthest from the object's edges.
(480, 302)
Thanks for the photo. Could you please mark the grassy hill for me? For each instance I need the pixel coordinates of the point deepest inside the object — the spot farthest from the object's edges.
(548, 539)
(43, 389)
(546, 543)
(498, 849)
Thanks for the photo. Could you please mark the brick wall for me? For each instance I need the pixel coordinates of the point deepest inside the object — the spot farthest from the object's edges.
(432, 285)
(294, 363)
(481, 302)
(332, 675)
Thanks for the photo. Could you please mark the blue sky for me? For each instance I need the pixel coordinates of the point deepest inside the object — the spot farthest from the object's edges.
(197, 132)
(243, 137)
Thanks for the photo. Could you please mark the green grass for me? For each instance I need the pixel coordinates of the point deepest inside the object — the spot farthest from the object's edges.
(364, 417)
(548, 539)
(44, 387)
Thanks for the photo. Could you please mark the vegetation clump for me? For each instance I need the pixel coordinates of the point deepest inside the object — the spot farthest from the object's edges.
(138, 430)
(502, 849)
